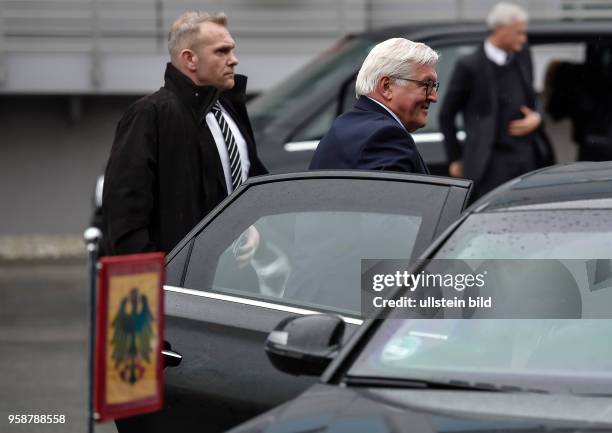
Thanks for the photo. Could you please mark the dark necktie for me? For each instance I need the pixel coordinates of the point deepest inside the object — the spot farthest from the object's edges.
(232, 147)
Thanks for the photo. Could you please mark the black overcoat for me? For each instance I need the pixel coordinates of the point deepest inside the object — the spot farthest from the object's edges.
(164, 173)
(472, 92)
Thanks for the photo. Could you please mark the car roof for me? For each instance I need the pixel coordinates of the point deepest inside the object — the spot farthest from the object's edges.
(538, 28)
(580, 185)
(359, 174)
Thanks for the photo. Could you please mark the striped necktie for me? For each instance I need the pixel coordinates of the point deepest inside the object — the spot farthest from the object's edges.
(232, 148)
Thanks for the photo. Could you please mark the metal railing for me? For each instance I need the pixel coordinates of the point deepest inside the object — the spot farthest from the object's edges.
(586, 9)
(27, 23)
(263, 27)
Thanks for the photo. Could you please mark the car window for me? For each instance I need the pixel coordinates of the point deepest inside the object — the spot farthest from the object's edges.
(554, 271)
(312, 235)
(314, 258)
(446, 64)
(349, 97)
(318, 126)
(331, 67)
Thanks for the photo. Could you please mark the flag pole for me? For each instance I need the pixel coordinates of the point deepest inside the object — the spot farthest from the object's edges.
(91, 237)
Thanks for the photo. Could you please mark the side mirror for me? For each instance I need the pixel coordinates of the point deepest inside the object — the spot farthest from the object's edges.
(305, 345)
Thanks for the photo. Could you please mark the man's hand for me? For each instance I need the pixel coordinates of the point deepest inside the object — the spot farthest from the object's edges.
(527, 124)
(455, 169)
(247, 247)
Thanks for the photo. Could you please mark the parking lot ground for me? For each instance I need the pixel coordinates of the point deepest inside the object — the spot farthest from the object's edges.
(43, 335)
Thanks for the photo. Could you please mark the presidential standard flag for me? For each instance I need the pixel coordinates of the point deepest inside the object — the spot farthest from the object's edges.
(129, 336)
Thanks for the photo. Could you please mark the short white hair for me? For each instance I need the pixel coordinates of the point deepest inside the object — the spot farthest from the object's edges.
(504, 14)
(185, 31)
(393, 57)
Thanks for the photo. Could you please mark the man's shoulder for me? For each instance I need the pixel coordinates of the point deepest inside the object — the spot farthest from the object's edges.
(361, 114)
(525, 54)
(152, 103)
(380, 123)
(385, 128)
(473, 59)
(160, 98)
(352, 123)
(361, 126)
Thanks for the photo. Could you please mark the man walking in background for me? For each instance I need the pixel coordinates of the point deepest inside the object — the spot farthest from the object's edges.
(492, 88)
(180, 151)
(395, 86)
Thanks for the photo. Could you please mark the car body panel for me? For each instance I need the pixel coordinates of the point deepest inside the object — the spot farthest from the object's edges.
(328, 408)
(579, 185)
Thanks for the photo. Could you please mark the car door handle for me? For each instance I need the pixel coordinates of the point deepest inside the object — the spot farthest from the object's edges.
(171, 358)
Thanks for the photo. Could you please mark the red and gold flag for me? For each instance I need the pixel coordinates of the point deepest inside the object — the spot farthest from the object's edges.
(129, 336)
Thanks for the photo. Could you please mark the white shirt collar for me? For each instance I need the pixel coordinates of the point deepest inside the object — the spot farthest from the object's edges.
(390, 112)
(496, 55)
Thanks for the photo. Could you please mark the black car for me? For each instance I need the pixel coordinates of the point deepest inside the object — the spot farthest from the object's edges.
(314, 228)
(546, 367)
(290, 119)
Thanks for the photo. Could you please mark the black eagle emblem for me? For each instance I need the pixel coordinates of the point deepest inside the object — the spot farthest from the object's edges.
(133, 332)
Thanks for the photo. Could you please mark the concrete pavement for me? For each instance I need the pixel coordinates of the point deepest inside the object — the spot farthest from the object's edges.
(43, 335)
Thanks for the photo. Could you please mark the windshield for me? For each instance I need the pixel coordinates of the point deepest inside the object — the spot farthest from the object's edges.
(551, 234)
(326, 71)
(568, 254)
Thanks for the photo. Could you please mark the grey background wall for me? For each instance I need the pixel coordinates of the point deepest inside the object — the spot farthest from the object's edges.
(118, 46)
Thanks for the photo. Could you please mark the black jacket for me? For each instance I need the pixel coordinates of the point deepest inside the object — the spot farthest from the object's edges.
(472, 92)
(164, 173)
(368, 138)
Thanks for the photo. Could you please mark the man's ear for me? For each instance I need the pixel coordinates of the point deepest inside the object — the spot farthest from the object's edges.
(189, 59)
(383, 88)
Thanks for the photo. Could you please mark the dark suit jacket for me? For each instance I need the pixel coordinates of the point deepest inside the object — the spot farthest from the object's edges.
(472, 91)
(368, 138)
(164, 173)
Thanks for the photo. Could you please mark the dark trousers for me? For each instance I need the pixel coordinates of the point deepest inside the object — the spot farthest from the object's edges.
(594, 153)
(505, 164)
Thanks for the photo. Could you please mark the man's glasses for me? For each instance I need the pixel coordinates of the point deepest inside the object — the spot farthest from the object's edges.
(430, 85)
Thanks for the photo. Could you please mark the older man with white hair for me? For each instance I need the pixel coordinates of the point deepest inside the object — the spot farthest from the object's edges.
(492, 88)
(395, 86)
